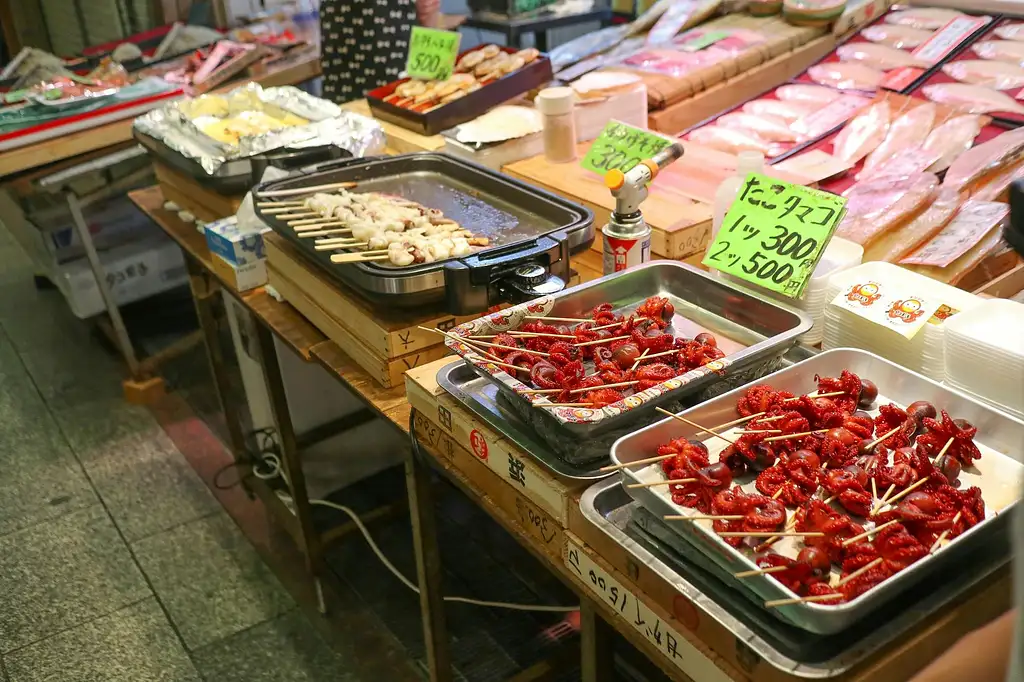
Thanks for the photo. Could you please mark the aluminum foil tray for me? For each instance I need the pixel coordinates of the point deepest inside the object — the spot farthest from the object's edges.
(998, 473)
(754, 332)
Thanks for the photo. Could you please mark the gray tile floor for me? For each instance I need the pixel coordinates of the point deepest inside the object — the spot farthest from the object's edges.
(116, 562)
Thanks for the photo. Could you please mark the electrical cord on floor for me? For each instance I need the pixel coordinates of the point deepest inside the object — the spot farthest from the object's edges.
(273, 470)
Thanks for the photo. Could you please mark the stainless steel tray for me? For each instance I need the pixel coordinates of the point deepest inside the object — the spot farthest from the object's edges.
(999, 473)
(753, 331)
(814, 657)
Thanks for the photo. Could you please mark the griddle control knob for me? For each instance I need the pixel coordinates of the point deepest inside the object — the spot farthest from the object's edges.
(530, 274)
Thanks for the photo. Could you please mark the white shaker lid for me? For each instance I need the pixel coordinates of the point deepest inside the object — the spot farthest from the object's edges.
(555, 101)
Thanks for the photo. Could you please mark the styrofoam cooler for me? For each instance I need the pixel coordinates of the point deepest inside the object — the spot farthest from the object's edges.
(925, 352)
(985, 354)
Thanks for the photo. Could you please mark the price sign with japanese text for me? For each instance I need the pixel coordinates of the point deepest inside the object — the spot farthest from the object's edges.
(774, 233)
(432, 53)
(622, 146)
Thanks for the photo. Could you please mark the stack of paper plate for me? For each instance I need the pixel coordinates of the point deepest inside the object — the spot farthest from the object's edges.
(985, 354)
(925, 352)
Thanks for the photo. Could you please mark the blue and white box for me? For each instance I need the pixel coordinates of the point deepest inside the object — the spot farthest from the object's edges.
(236, 244)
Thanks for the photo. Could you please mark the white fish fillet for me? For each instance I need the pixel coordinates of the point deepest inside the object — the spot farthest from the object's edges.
(881, 57)
(928, 18)
(1001, 50)
(974, 164)
(998, 75)
(899, 243)
(770, 128)
(787, 111)
(894, 35)
(952, 138)
(801, 92)
(971, 99)
(732, 141)
(1010, 32)
(862, 134)
(909, 130)
(846, 76)
(876, 207)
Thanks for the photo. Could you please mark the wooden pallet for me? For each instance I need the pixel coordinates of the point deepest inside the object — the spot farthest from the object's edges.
(190, 195)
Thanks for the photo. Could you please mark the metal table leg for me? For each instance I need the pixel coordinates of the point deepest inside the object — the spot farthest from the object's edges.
(428, 562)
(597, 661)
(290, 460)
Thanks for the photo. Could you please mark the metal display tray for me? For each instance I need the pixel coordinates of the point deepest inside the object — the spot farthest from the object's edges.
(611, 510)
(753, 331)
(526, 226)
(998, 473)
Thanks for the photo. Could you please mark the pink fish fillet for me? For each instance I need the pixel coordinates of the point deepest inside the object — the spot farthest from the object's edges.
(971, 99)
(899, 243)
(863, 134)
(929, 18)
(787, 111)
(1010, 31)
(974, 164)
(952, 138)
(801, 92)
(875, 207)
(909, 130)
(766, 127)
(1000, 50)
(991, 74)
(894, 35)
(881, 57)
(846, 76)
(732, 141)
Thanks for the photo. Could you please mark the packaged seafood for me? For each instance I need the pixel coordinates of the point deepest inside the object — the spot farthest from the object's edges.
(770, 128)
(955, 271)
(830, 116)
(801, 92)
(788, 111)
(974, 164)
(928, 18)
(951, 138)
(993, 187)
(875, 207)
(846, 76)
(972, 222)
(971, 99)
(896, 35)
(906, 162)
(863, 134)
(896, 244)
(1010, 31)
(877, 56)
(732, 141)
(908, 131)
(1001, 50)
(991, 74)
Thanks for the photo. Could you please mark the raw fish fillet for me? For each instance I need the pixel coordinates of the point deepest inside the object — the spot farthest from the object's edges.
(881, 57)
(863, 134)
(894, 35)
(952, 138)
(993, 187)
(732, 141)
(971, 99)
(905, 162)
(846, 76)
(998, 75)
(958, 269)
(787, 111)
(928, 18)
(770, 128)
(909, 130)
(900, 242)
(875, 207)
(1010, 32)
(1001, 50)
(799, 92)
(996, 154)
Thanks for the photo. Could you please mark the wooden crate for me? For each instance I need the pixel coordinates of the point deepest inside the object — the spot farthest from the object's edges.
(189, 193)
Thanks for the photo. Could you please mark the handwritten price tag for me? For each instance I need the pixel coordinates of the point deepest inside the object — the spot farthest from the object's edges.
(774, 234)
(432, 53)
(622, 146)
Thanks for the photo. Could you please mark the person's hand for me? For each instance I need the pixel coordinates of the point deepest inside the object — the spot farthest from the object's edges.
(981, 656)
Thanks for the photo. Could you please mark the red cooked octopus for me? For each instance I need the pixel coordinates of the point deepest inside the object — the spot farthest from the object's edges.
(847, 485)
(700, 493)
(939, 432)
(798, 477)
(809, 568)
(761, 398)
(689, 456)
(760, 514)
(817, 516)
(892, 417)
(657, 308)
(847, 382)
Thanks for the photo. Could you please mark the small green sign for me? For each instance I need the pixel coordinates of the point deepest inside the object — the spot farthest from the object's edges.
(706, 39)
(774, 233)
(432, 53)
(622, 146)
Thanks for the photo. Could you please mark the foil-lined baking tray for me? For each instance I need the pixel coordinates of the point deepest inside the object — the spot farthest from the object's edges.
(171, 133)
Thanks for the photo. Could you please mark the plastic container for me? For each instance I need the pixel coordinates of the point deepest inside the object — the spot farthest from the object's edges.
(985, 354)
(747, 162)
(556, 105)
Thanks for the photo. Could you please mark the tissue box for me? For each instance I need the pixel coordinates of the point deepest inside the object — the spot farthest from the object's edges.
(235, 244)
(242, 277)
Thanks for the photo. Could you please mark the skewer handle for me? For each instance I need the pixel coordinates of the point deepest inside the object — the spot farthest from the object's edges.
(298, 191)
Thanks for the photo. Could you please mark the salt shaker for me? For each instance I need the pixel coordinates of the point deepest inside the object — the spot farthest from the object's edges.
(556, 106)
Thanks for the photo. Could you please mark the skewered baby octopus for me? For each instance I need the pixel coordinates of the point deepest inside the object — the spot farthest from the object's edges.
(760, 514)
(939, 432)
(816, 516)
(848, 486)
(761, 398)
(811, 567)
(700, 493)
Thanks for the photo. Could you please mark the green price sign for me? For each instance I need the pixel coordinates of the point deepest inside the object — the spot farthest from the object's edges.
(432, 53)
(774, 233)
(622, 146)
(704, 40)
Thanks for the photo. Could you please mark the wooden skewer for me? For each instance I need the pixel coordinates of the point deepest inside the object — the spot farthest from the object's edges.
(639, 359)
(794, 435)
(286, 211)
(881, 438)
(358, 256)
(705, 517)
(815, 395)
(320, 226)
(483, 343)
(857, 538)
(881, 502)
(649, 460)
(770, 534)
(695, 425)
(773, 603)
(507, 365)
(743, 433)
(322, 233)
(556, 319)
(597, 341)
(279, 204)
(562, 404)
(945, 534)
(778, 493)
(338, 240)
(307, 190)
(874, 490)
(899, 496)
(543, 391)
(671, 481)
(532, 334)
(308, 219)
(761, 571)
(598, 388)
(860, 571)
(662, 354)
(335, 247)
